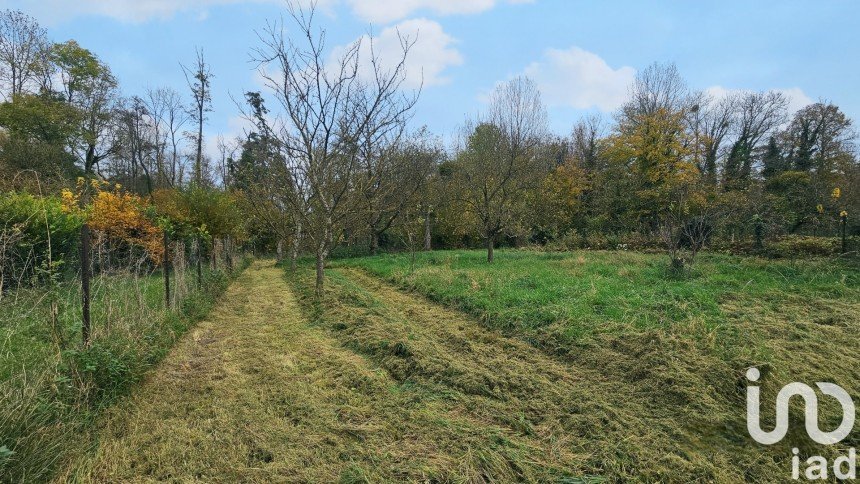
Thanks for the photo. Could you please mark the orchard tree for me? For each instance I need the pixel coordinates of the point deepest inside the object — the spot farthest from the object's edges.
(327, 107)
(500, 160)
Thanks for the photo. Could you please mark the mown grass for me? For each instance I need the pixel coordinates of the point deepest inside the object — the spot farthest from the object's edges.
(669, 352)
(257, 393)
(52, 387)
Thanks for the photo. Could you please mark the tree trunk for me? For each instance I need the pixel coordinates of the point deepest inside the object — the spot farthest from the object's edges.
(294, 251)
(320, 273)
(427, 235)
(491, 242)
(280, 250)
(374, 241)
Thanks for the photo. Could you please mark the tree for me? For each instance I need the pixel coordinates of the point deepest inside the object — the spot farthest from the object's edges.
(136, 143)
(170, 116)
(759, 113)
(818, 136)
(77, 68)
(92, 89)
(22, 43)
(718, 118)
(37, 131)
(199, 80)
(394, 174)
(500, 160)
(773, 162)
(659, 86)
(328, 107)
(668, 192)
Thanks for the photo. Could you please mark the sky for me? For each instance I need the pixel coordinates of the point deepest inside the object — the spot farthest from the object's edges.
(582, 54)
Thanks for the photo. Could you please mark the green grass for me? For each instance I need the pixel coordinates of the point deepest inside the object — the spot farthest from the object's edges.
(52, 387)
(582, 294)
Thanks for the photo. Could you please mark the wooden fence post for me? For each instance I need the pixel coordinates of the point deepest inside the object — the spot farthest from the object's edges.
(166, 270)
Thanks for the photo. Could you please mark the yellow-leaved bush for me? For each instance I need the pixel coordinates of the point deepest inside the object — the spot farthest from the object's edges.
(118, 215)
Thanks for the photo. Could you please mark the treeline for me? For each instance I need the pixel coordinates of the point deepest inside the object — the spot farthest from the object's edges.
(332, 164)
(83, 166)
(672, 169)
(64, 116)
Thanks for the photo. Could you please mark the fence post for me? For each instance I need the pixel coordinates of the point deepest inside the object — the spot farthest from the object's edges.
(844, 217)
(228, 249)
(85, 283)
(166, 270)
(199, 262)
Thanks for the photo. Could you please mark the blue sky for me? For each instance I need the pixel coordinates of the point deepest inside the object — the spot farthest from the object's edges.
(582, 53)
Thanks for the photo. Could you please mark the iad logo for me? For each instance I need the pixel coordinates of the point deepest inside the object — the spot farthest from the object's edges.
(810, 400)
(844, 467)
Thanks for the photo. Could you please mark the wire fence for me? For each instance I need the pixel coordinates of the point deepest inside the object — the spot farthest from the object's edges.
(54, 368)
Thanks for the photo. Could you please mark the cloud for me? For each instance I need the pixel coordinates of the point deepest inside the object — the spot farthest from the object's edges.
(431, 55)
(136, 11)
(132, 11)
(580, 79)
(797, 99)
(386, 11)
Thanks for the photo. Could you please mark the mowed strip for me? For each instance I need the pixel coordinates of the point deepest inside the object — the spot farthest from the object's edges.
(554, 419)
(254, 394)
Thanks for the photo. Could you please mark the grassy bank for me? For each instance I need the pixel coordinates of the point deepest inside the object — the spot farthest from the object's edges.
(52, 388)
(670, 351)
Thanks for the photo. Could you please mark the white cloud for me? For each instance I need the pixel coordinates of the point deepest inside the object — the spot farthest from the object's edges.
(432, 53)
(797, 99)
(386, 11)
(580, 79)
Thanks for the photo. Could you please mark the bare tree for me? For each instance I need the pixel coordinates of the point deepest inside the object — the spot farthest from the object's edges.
(659, 86)
(23, 43)
(499, 161)
(585, 141)
(175, 118)
(199, 79)
(136, 144)
(718, 117)
(327, 107)
(759, 113)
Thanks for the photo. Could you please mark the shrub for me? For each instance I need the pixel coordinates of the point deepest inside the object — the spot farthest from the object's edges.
(34, 228)
(802, 246)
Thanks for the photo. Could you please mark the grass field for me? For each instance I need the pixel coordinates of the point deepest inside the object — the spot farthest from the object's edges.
(568, 368)
(669, 351)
